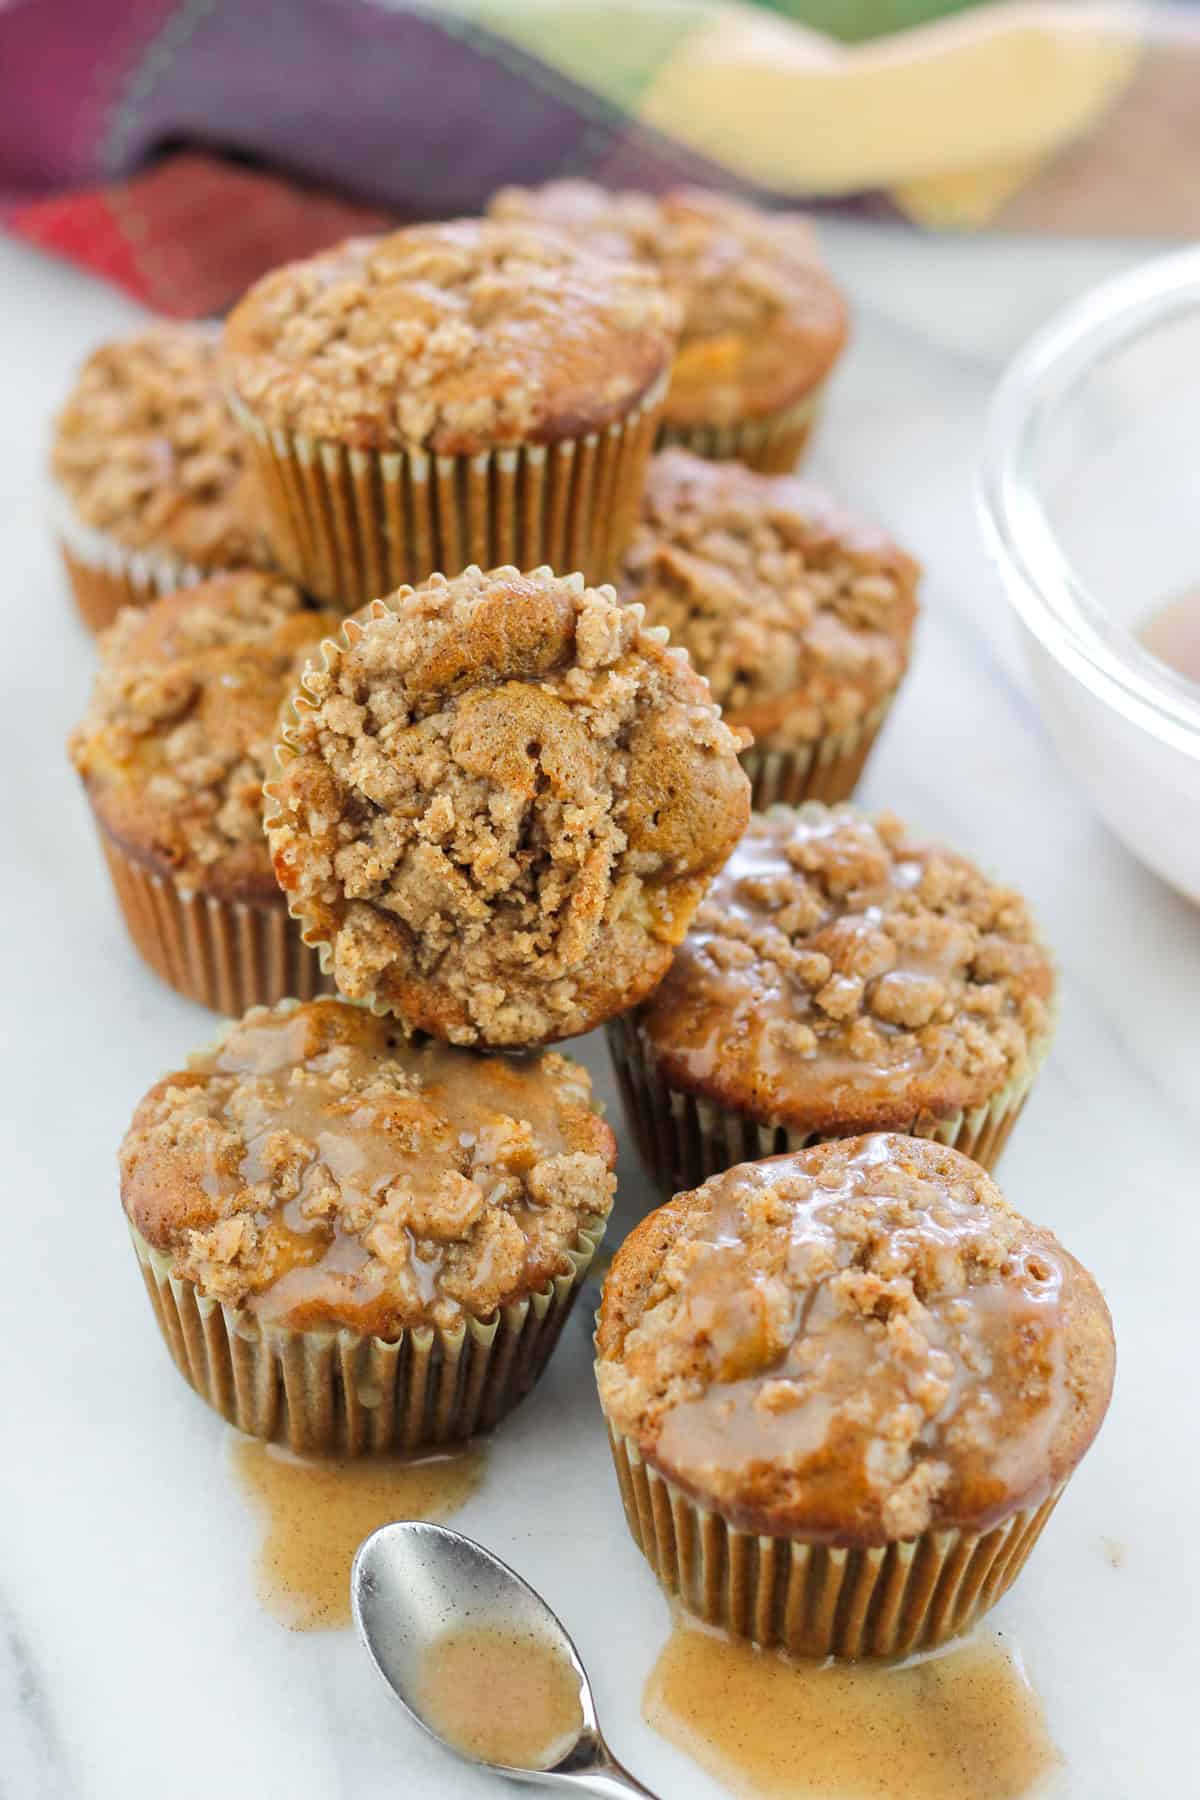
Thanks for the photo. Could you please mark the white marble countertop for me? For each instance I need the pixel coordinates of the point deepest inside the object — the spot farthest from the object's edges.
(134, 1659)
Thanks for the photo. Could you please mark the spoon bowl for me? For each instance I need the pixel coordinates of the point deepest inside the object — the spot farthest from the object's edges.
(414, 1584)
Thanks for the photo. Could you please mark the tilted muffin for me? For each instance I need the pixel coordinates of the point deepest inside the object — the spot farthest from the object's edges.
(173, 752)
(763, 320)
(799, 615)
(152, 492)
(375, 1242)
(845, 1388)
(501, 799)
(841, 976)
(450, 394)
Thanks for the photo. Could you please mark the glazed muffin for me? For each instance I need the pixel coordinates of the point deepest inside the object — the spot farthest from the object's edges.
(842, 976)
(501, 800)
(355, 1243)
(845, 1388)
(173, 753)
(151, 490)
(450, 394)
(799, 615)
(763, 320)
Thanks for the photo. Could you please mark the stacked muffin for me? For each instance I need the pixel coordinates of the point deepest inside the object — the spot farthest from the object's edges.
(436, 764)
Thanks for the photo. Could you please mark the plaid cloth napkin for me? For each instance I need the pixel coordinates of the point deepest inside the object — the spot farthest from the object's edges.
(181, 147)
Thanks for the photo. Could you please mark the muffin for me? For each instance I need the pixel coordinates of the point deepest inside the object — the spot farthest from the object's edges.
(352, 1243)
(450, 394)
(151, 492)
(799, 615)
(842, 976)
(501, 798)
(763, 320)
(173, 753)
(845, 1388)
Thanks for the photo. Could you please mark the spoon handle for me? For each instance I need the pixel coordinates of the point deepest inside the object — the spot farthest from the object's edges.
(610, 1781)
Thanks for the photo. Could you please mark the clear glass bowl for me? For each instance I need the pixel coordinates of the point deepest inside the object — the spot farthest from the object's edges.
(1090, 491)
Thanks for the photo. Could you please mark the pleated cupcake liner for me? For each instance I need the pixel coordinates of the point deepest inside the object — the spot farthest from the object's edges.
(816, 1600)
(352, 525)
(341, 1393)
(772, 443)
(106, 575)
(829, 769)
(683, 1138)
(226, 954)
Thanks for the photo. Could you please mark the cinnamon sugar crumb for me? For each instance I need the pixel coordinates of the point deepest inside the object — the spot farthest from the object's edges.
(500, 804)
(798, 616)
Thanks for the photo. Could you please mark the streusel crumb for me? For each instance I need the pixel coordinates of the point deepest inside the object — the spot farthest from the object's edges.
(501, 800)
(321, 1172)
(843, 976)
(854, 1343)
(147, 451)
(455, 337)
(763, 320)
(798, 615)
(178, 738)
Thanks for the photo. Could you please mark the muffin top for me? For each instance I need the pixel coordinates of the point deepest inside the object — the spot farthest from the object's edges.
(321, 1172)
(845, 976)
(178, 738)
(500, 801)
(798, 614)
(854, 1343)
(146, 451)
(455, 337)
(763, 320)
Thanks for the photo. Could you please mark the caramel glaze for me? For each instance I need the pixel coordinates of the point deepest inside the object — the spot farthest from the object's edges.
(853, 1343)
(964, 1724)
(316, 1514)
(329, 1101)
(500, 1696)
(845, 976)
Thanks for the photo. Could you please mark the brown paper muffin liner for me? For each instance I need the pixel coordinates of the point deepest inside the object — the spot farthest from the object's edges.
(353, 525)
(772, 444)
(828, 769)
(340, 1393)
(682, 1138)
(226, 954)
(105, 575)
(817, 1600)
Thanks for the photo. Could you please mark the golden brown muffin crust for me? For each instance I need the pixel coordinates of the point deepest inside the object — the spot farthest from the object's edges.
(178, 737)
(146, 450)
(843, 975)
(854, 1343)
(763, 320)
(798, 615)
(500, 802)
(457, 337)
(319, 1171)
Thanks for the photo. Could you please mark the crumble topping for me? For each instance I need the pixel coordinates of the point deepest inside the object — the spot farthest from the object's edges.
(318, 1170)
(146, 450)
(763, 320)
(858, 1333)
(178, 737)
(500, 803)
(798, 616)
(839, 962)
(453, 337)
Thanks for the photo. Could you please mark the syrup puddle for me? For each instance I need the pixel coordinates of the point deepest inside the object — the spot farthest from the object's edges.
(502, 1696)
(1172, 633)
(317, 1514)
(963, 1724)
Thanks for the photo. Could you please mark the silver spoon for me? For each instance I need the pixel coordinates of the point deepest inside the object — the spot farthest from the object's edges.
(412, 1582)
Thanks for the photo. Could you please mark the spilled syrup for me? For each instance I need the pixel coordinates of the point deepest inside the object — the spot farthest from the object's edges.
(962, 1724)
(1172, 633)
(501, 1695)
(317, 1513)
